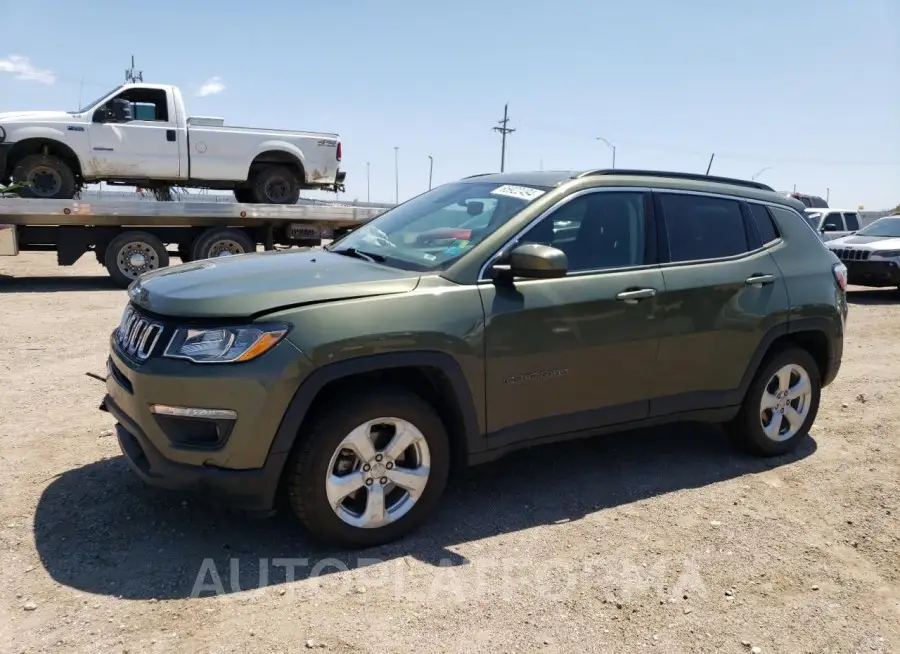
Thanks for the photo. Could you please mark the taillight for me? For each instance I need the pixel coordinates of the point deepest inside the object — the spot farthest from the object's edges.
(339, 151)
(840, 275)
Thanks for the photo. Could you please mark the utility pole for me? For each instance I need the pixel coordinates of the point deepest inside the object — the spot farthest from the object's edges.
(368, 184)
(430, 170)
(504, 130)
(132, 76)
(396, 175)
(827, 195)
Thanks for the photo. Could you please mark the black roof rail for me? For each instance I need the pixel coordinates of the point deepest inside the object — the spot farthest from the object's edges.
(477, 175)
(691, 176)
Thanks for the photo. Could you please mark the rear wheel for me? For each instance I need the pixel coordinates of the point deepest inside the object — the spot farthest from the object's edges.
(243, 195)
(276, 184)
(131, 254)
(369, 470)
(781, 403)
(221, 243)
(45, 176)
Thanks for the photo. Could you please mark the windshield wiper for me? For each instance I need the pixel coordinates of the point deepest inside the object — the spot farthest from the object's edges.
(359, 254)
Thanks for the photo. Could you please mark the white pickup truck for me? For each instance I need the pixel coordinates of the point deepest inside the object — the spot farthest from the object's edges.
(140, 135)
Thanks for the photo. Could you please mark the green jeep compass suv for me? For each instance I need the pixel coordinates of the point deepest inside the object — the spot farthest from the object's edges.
(497, 312)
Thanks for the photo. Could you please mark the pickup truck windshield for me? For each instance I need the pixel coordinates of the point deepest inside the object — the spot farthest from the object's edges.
(432, 230)
(91, 104)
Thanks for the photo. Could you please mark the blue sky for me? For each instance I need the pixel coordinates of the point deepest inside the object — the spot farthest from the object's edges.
(808, 90)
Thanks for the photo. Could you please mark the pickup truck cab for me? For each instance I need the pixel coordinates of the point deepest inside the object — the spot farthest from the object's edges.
(140, 135)
(833, 223)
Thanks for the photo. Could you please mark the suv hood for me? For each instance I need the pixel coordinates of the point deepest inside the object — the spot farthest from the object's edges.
(247, 285)
(871, 242)
(28, 116)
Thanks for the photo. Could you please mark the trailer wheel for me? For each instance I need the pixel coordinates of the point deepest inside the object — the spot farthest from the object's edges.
(131, 254)
(223, 242)
(46, 177)
(276, 185)
(243, 195)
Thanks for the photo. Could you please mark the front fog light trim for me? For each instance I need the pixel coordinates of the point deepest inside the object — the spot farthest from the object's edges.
(193, 412)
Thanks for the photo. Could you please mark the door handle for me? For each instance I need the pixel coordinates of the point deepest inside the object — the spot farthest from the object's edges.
(758, 279)
(633, 297)
(170, 135)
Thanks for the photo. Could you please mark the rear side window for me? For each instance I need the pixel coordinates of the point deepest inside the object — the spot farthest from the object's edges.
(764, 225)
(701, 227)
(852, 221)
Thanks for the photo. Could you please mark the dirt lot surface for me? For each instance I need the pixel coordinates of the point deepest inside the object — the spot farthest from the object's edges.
(662, 540)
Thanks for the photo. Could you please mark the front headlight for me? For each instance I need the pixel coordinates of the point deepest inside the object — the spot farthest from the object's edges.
(224, 344)
(888, 254)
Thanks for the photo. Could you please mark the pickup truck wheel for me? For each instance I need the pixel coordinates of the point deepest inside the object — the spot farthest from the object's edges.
(369, 470)
(276, 185)
(243, 195)
(130, 254)
(781, 403)
(221, 243)
(46, 177)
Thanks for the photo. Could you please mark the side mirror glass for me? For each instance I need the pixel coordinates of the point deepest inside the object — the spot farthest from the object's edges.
(120, 110)
(533, 261)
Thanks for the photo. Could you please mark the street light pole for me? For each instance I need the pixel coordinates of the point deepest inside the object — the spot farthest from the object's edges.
(368, 183)
(611, 147)
(760, 172)
(396, 175)
(430, 170)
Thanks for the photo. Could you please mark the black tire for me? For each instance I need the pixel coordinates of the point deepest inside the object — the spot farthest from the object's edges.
(215, 242)
(48, 177)
(276, 184)
(747, 428)
(121, 269)
(243, 195)
(184, 252)
(307, 467)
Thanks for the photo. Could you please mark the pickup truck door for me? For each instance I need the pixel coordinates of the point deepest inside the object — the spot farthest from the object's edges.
(146, 145)
(832, 226)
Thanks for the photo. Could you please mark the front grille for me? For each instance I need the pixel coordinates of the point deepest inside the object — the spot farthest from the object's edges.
(137, 336)
(846, 254)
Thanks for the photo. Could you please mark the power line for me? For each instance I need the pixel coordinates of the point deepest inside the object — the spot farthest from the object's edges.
(504, 130)
(132, 76)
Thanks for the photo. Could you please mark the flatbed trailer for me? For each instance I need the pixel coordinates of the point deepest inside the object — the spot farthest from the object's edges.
(130, 238)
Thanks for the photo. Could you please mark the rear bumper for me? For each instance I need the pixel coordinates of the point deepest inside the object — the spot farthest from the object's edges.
(873, 273)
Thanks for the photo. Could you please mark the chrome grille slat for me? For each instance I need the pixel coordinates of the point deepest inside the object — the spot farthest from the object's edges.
(137, 336)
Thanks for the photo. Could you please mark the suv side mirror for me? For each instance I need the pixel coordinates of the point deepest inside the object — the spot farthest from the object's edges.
(533, 261)
(120, 110)
(829, 228)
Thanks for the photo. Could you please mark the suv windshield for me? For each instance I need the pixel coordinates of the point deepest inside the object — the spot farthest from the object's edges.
(889, 227)
(433, 230)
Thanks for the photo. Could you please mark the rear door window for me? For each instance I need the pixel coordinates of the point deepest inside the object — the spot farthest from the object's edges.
(764, 224)
(701, 227)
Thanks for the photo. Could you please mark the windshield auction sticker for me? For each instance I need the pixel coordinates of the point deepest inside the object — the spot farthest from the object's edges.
(520, 192)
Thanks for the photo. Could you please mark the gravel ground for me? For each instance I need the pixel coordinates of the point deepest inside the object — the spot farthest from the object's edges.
(662, 540)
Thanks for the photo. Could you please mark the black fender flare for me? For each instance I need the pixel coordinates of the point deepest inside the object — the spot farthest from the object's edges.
(289, 429)
(826, 326)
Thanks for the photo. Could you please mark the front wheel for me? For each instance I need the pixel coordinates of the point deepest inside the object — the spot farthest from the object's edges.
(370, 469)
(46, 177)
(131, 254)
(781, 403)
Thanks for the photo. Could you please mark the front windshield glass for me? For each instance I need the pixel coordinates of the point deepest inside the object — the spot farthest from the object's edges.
(435, 229)
(889, 226)
(91, 104)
